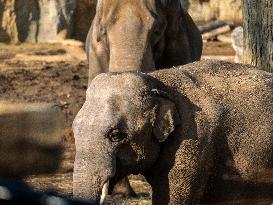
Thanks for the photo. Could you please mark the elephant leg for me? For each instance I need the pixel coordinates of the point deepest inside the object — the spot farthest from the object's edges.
(124, 188)
(180, 179)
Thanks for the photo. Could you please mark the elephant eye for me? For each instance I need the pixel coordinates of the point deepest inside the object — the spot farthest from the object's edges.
(116, 135)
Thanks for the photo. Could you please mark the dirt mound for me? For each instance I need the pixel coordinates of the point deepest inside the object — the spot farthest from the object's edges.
(60, 83)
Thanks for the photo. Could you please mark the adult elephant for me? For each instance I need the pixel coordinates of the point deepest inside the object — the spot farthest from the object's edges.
(190, 131)
(142, 35)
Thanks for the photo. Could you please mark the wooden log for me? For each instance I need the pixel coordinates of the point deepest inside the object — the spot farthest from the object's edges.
(30, 138)
(214, 33)
(224, 38)
(211, 26)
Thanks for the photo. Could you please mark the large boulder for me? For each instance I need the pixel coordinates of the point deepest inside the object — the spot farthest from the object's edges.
(8, 29)
(27, 20)
(237, 38)
(36, 21)
(44, 20)
(30, 138)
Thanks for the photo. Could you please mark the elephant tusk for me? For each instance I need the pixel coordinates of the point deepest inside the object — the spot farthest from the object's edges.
(104, 192)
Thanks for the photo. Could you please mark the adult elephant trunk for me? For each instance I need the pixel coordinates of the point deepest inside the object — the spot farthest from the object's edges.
(92, 170)
(130, 48)
(131, 58)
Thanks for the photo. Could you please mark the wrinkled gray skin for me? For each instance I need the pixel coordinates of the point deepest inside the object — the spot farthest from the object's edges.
(186, 130)
(142, 35)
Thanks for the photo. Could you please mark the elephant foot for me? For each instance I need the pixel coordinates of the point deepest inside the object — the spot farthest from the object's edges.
(124, 189)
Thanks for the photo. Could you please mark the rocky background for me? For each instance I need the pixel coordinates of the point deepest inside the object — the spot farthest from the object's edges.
(54, 20)
(225, 10)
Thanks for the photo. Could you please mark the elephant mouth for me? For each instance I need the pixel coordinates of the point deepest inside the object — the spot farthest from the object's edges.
(107, 188)
(110, 182)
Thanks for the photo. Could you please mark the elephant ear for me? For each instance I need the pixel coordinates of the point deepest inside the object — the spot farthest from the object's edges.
(166, 116)
(183, 39)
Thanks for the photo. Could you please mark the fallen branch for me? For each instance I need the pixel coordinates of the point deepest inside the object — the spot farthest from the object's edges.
(211, 26)
(224, 38)
(214, 33)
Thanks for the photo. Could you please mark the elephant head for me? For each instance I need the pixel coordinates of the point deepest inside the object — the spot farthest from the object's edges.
(119, 130)
(141, 35)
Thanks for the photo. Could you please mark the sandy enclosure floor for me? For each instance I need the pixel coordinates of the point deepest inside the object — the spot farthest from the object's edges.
(58, 73)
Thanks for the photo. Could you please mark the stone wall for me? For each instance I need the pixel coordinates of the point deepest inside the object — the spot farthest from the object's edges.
(8, 29)
(36, 20)
(54, 20)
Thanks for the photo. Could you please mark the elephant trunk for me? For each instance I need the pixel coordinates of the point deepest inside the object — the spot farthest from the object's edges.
(92, 173)
(130, 45)
(131, 58)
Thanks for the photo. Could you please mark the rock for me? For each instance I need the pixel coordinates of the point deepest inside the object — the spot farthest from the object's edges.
(36, 21)
(8, 29)
(50, 20)
(27, 20)
(30, 138)
(55, 19)
(237, 38)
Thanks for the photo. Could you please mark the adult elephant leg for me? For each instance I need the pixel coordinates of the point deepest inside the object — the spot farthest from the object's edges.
(124, 188)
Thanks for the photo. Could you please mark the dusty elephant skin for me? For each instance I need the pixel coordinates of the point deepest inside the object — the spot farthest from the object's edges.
(184, 129)
(141, 35)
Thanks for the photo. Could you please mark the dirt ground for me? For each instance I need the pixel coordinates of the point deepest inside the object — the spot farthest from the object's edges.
(58, 73)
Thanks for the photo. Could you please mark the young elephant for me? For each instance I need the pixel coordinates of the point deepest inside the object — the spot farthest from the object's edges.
(198, 133)
(130, 35)
(141, 35)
